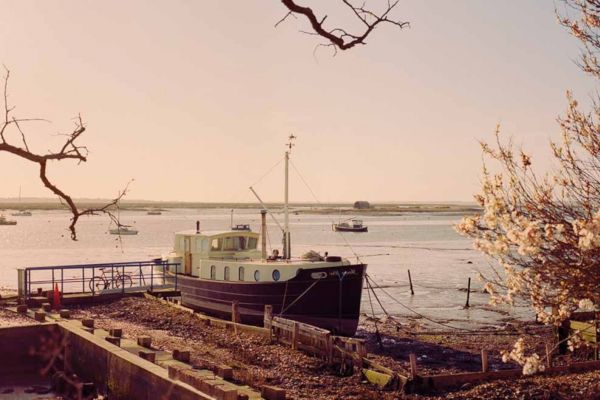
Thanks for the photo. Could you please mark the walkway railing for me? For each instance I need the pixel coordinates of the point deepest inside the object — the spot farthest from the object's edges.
(99, 278)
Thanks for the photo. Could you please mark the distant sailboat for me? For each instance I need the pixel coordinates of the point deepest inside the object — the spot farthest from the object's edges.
(21, 213)
(122, 229)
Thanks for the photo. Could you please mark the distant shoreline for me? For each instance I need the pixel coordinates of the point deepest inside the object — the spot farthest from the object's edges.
(296, 208)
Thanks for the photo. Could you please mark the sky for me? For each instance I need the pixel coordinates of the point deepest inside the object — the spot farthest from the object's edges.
(194, 100)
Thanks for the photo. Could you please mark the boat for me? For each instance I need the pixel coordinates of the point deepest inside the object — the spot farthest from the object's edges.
(154, 212)
(4, 221)
(355, 225)
(123, 230)
(21, 213)
(216, 269)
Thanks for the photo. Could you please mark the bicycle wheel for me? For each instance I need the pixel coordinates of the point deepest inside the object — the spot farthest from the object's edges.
(98, 283)
(122, 281)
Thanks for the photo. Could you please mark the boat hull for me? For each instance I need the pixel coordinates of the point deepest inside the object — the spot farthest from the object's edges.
(350, 229)
(326, 297)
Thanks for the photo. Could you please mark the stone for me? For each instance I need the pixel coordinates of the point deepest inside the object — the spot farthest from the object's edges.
(273, 393)
(148, 355)
(144, 341)
(223, 393)
(181, 355)
(116, 332)
(87, 322)
(114, 340)
(224, 371)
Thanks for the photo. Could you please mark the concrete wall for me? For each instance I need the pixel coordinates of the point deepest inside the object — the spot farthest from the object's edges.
(25, 350)
(121, 374)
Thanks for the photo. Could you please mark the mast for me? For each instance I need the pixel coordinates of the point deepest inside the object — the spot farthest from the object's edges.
(286, 221)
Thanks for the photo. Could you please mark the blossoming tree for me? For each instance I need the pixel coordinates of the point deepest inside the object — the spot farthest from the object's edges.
(544, 231)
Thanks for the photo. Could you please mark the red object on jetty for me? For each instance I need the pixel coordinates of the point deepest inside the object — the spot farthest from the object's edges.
(56, 298)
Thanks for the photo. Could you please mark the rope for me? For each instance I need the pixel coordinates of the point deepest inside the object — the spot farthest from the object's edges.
(319, 202)
(416, 312)
(284, 297)
(298, 298)
(268, 172)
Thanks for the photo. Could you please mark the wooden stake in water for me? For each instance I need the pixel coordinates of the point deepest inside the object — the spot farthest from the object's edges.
(468, 293)
(484, 360)
(412, 292)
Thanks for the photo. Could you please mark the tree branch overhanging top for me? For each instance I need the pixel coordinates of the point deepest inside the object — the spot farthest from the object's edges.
(340, 38)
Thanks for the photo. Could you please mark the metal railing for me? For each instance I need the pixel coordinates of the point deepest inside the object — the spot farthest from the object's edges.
(100, 278)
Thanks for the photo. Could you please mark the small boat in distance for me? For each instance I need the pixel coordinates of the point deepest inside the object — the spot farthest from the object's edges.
(4, 221)
(21, 213)
(123, 230)
(356, 225)
(154, 212)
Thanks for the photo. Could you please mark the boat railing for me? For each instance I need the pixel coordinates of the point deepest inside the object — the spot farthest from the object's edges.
(99, 279)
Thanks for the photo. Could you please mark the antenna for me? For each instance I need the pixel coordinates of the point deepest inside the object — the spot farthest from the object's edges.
(290, 142)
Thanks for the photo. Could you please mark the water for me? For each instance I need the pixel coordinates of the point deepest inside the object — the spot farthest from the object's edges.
(439, 259)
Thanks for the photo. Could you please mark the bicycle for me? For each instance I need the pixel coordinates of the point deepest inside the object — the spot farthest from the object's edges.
(116, 280)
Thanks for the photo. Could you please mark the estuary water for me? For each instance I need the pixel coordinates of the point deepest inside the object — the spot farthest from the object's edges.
(439, 259)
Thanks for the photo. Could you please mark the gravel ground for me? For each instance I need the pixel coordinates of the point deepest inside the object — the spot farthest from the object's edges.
(257, 362)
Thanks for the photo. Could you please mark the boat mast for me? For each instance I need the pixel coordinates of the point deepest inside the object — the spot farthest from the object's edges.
(286, 222)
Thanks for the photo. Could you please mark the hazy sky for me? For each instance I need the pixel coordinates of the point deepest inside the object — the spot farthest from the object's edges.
(195, 99)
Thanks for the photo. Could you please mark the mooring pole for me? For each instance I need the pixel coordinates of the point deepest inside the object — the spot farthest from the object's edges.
(468, 293)
(412, 292)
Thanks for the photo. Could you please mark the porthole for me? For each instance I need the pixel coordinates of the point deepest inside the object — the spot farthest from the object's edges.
(257, 275)
(226, 273)
(213, 272)
(276, 275)
(241, 274)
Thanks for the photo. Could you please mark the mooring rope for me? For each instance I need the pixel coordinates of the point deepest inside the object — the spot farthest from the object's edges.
(299, 297)
(319, 203)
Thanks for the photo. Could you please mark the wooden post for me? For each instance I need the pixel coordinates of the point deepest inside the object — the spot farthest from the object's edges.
(329, 349)
(484, 360)
(413, 365)
(267, 320)
(468, 293)
(548, 356)
(235, 315)
(412, 292)
(295, 331)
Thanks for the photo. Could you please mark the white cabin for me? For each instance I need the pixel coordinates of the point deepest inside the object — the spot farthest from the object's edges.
(234, 256)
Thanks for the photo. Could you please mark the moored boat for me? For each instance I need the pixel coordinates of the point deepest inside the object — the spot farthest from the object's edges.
(22, 213)
(217, 269)
(356, 225)
(123, 230)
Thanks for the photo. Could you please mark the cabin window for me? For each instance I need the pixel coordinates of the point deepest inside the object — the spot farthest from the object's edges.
(235, 243)
(257, 275)
(226, 273)
(252, 242)
(215, 244)
(213, 272)
(276, 275)
(241, 273)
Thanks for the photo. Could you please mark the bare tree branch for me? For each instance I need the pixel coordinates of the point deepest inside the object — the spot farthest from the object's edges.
(339, 37)
(69, 150)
